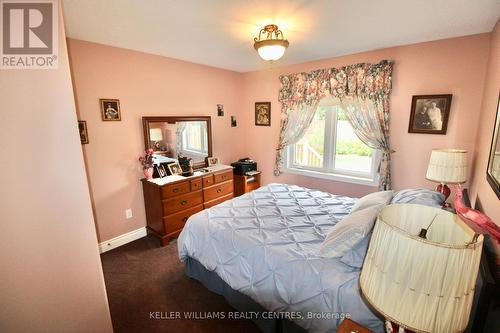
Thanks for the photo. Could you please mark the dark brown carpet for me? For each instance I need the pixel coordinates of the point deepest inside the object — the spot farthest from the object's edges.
(142, 277)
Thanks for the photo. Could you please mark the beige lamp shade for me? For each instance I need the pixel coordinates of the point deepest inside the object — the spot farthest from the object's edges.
(425, 285)
(447, 166)
(155, 134)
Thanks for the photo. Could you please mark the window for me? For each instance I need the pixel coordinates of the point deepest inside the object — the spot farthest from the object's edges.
(331, 149)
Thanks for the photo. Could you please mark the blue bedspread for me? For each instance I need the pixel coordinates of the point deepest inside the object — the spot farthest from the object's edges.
(265, 244)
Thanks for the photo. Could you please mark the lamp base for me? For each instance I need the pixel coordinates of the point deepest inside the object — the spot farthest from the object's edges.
(445, 190)
(391, 327)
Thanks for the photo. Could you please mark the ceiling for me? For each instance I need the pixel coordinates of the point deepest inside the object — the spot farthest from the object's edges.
(220, 33)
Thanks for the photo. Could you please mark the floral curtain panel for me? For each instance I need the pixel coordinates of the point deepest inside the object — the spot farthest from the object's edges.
(301, 92)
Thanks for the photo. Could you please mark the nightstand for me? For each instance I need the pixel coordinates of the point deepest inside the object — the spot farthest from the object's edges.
(244, 184)
(349, 326)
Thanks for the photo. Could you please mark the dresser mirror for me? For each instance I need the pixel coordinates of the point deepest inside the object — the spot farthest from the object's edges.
(493, 171)
(171, 137)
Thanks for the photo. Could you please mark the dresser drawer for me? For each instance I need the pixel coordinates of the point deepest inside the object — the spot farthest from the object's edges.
(252, 186)
(169, 191)
(196, 184)
(208, 180)
(217, 201)
(223, 176)
(218, 190)
(175, 222)
(182, 202)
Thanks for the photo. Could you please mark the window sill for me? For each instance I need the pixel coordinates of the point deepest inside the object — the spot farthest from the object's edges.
(335, 177)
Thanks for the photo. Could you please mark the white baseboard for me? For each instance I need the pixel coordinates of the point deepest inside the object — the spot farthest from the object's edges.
(122, 239)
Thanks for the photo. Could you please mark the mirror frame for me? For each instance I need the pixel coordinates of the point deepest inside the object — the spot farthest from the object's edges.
(173, 119)
(495, 183)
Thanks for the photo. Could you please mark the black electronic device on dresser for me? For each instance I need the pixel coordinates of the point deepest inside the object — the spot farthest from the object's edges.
(243, 166)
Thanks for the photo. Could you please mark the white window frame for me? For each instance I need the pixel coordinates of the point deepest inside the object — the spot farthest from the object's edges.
(328, 171)
(196, 152)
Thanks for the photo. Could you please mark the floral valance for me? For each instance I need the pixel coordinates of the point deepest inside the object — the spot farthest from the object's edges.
(363, 80)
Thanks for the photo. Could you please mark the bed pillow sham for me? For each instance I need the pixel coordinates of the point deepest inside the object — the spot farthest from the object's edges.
(356, 256)
(418, 196)
(347, 233)
(373, 199)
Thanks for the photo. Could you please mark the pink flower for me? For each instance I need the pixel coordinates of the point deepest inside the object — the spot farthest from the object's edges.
(149, 151)
(141, 158)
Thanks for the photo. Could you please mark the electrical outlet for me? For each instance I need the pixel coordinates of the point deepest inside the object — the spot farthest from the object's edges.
(128, 213)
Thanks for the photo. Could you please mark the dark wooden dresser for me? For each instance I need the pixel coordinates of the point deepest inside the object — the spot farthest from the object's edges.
(170, 201)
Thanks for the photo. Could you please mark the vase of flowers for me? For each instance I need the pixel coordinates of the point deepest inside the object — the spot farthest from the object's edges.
(147, 163)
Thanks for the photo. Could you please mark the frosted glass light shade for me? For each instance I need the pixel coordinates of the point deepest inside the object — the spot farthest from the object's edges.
(271, 52)
(447, 166)
(426, 285)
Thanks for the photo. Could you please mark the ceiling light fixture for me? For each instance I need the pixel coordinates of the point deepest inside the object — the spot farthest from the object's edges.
(273, 46)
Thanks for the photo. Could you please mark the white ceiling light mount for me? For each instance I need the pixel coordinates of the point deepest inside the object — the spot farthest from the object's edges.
(270, 44)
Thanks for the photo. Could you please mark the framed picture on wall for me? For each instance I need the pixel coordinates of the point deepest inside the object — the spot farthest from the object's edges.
(220, 110)
(493, 170)
(263, 114)
(82, 128)
(110, 109)
(429, 114)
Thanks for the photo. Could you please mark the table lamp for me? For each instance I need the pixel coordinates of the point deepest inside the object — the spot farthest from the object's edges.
(447, 166)
(421, 284)
(156, 135)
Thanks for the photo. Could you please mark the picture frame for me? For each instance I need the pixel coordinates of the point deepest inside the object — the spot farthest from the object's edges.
(493, 168)
(233, 121)
(175, 168)
(82, 129)
(110, 109)
(262, 113)
(429, 114)
(212, 161)
(160, 169)
(220, 110)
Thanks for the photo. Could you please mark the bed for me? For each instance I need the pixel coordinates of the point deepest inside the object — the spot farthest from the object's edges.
(264, 245)
(261, 252)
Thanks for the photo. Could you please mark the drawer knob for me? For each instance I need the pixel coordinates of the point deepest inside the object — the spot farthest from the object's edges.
(219, 190)
(175, 190)
(183, 202)
(224, 177)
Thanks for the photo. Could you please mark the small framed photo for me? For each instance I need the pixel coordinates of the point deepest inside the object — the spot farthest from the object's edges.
(82, 128)
(212, 161)
(220, 110)
(161, 171)
(110, 109)
(175, 169)
(233, 121)
(263, 114)
(429, 114)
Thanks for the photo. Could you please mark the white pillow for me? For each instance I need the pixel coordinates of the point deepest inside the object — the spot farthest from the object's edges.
(347, 233)
(373, 199)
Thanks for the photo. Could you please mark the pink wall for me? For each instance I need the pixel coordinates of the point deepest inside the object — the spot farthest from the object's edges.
(51, 275)
(453, 66)
(153, 85)
(480, 187)
(147, 85)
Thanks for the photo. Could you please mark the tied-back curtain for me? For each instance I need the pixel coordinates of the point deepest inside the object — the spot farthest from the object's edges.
(296, 121)
(181, 126)
(300, 92)
(371, 125)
